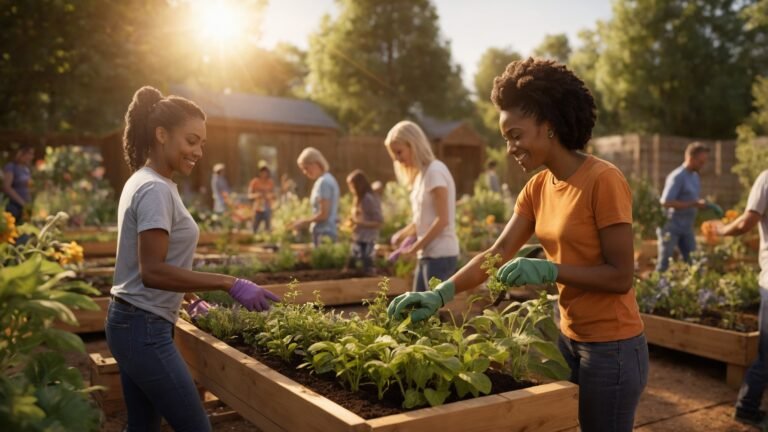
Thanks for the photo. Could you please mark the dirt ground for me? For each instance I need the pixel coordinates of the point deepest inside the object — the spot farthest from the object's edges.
(684, 393)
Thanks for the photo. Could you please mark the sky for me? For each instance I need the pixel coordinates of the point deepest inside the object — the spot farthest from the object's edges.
(470, 25)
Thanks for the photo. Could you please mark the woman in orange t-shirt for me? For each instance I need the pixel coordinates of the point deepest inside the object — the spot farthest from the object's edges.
(580, 208)
(262, 191)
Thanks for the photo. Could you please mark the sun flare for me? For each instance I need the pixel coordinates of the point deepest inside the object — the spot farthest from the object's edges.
(221, 23)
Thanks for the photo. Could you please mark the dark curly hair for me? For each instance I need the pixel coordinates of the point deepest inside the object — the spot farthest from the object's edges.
(149, 110)
(549, 92)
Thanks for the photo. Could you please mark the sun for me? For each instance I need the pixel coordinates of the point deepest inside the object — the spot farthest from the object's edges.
(220, 22)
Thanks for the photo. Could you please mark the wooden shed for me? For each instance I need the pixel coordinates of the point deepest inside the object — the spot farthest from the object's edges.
(459, 146)
(244, 129)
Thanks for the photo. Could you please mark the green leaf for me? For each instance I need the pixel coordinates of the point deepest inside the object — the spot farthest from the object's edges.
(413, 399)
(479, 381)
(61, 340)
(436, 397)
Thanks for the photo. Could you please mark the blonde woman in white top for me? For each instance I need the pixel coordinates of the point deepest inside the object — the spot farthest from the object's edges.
(433, 204)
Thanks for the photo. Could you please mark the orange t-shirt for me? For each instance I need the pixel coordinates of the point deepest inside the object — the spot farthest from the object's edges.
(568, 215)
(264, 189)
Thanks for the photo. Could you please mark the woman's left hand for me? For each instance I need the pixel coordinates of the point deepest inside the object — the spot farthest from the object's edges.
(198, 308)
(527, 271)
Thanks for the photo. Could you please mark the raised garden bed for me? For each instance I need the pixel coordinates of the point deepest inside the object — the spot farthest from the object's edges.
(274, 402)
(90, 321)
(736, 349)
(341, 292)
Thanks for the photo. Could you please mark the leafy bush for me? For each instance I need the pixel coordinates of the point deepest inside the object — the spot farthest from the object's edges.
(395, 209)
(38, 391)
(751, 152)
(329, 255)
(647, 213)
(72, 179)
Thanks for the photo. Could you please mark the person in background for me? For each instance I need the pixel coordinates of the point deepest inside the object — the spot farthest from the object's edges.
(366, 220)
(156, 243)
(433, 204)
(756, 379)
(17, 179)
(580, 208)
(492, 178)
(219, 189)
(262, 191)
(681, 199)
(324, 197)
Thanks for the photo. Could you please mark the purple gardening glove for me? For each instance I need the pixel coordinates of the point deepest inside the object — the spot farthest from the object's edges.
(198, 308)
(252, 296)
(408, 242)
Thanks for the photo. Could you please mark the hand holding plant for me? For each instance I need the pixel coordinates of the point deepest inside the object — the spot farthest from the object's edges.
(198, 308)
(252, 296)
(424, 304)
(527, 271)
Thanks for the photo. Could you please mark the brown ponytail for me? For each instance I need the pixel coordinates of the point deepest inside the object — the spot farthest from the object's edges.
(148, 111)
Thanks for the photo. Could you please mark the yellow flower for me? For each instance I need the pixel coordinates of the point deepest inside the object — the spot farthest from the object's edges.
(71, 253)
(8, 231)
(490, 220)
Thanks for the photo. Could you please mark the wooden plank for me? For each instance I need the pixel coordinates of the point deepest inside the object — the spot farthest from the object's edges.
(342, 291)
(728, 346)
(270, 400)
(104, 372)
(734, 375)
(527, 409)
(99, 249)
(89, 321)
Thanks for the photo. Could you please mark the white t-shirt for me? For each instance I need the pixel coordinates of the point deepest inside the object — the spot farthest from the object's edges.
(446, 244)
(151, 201)
(758, 202)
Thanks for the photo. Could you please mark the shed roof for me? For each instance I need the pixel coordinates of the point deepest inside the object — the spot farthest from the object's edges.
(263, 109)
(437, 129)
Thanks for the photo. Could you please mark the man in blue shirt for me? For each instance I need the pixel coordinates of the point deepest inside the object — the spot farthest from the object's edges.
(681, 201)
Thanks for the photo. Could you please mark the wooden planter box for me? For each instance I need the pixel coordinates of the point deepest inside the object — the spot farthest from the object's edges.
(104, 372)
(99, 249)
(274, 402)
(342, 291)
(90, 321)
(737, 349)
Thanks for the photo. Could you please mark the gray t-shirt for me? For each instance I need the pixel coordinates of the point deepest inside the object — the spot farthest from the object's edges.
(151, 201)
(325, 187)
(371, 212)
(681, 185)
(758, 202)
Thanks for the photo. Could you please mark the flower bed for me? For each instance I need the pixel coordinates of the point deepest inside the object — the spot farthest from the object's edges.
(396, 368)
(706, 308)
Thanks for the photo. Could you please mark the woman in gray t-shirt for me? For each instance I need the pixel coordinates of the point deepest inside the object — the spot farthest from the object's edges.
(155, 245)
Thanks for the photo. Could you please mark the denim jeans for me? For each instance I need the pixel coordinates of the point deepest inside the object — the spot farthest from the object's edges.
(427, 268)
(669, 240)
(262, 216)
(363, 252)
(611, 377)
(155, 379)
(756, 378)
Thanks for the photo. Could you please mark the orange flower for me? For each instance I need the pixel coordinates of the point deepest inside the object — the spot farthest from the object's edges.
(490, 220)
(71, 253)
(8, 231)
(730, 216)
(709, 230)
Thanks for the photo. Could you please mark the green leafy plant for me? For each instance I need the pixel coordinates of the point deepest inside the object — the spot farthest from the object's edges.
(647, 213)
(38, 391)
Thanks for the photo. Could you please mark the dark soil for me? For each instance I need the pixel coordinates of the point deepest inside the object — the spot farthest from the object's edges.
(365, 402)
(310, 275)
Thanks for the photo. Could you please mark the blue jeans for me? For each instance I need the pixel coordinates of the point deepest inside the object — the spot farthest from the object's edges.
(262, 216)
(155, 379)
(669, 240)
(611, 377)
(756, 378)
(363, 252)
(427, 268)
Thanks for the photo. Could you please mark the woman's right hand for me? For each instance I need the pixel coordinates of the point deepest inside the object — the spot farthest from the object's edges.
(252, 296)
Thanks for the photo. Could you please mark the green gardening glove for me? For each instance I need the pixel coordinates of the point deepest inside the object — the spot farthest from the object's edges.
(527, 271)
(716, 209)
(425, 303)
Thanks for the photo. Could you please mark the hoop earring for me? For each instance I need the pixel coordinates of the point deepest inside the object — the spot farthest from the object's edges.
(551, 134)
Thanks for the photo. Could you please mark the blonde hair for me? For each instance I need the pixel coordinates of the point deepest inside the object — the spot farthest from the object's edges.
(313, 155)
(410, 134)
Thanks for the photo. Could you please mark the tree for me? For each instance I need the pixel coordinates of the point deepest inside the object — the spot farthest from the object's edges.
(751, 152)
(492, 64)
(555, 47)
(583, 61)
(677, 67)
(379, 62)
